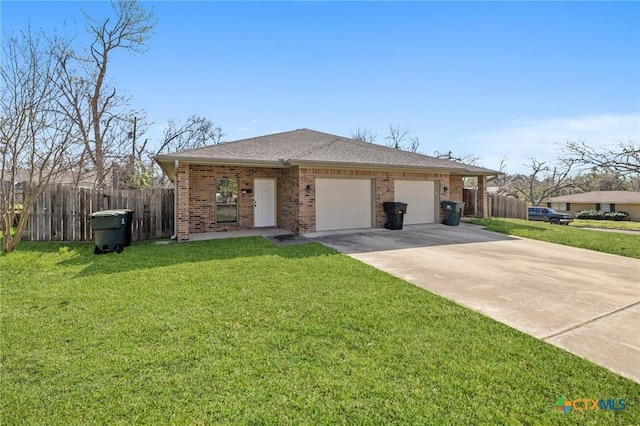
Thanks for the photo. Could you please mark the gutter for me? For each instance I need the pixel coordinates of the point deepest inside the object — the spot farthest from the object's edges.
(372, 166)
(280, 163)
(175, 204)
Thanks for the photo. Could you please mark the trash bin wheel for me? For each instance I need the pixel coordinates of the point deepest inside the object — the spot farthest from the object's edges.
(444, 222)
(96, 250)
(118, 248)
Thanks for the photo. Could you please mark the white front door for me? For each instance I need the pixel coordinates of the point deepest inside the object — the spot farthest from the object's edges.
(264, 202)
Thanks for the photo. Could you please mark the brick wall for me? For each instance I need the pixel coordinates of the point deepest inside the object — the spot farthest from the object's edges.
(288, 195)
(182, 194)
(456, 185)
(202, 183)
(483, 199)
(384, 189)
(295, 206)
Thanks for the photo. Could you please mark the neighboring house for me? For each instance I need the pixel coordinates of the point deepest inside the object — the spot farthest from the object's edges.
(306, 181)
(609, 201)
(87, 180)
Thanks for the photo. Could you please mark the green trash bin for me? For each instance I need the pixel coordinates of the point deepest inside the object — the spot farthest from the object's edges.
(452, 212)
(111, 230)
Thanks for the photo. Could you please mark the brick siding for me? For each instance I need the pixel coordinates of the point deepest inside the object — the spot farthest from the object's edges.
(295, 206)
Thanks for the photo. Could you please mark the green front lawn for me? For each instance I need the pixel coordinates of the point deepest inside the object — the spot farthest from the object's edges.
(241, 331)
(608, 242)
(606, 224)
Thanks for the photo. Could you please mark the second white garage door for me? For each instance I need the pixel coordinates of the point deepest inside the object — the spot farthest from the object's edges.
(343, 203)
(420, 197)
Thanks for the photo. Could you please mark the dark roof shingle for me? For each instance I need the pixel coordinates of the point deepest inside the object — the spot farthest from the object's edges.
(306, 146)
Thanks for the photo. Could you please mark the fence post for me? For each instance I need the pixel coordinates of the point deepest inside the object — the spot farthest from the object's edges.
(62, 212)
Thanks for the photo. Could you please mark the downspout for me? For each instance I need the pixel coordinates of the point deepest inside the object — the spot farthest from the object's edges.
(175, 204)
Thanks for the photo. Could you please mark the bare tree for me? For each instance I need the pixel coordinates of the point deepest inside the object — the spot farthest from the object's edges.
(623, 158)
(595, 181)
(364, 135)
(501, 180)
(35, 136)
(195, 132)
(543, 181)
(90, 102)
(414, 144)
(397, 136)
(470, 159)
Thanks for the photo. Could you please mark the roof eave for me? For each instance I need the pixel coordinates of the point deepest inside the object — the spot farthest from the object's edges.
(222, 161)
(167, 162)
(466, 172)
(168, 167)
(363, 166)
(374, 166)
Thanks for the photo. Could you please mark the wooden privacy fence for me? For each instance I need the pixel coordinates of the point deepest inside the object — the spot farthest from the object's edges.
(469, 197)
(503, 206)
(63, 212)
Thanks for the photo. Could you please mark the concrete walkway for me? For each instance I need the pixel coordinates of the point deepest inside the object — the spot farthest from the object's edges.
(583, 301)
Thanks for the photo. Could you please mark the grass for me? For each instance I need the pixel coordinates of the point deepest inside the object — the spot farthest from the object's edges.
(606, 224)
(608, 242)
(242, 331)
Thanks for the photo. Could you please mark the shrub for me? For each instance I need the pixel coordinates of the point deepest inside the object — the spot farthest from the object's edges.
(601, 215)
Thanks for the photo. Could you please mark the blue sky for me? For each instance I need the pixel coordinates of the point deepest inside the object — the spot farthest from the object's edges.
(482, 78)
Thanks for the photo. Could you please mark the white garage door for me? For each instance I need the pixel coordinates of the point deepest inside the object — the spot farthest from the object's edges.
(420, 197)
(343, 203)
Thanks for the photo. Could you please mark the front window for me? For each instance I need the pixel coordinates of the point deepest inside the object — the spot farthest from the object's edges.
(226, 200)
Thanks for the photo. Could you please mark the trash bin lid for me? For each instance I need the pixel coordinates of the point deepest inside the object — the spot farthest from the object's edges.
(109, 213)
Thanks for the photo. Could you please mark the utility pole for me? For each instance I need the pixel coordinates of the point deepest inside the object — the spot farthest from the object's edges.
(132, 159)
(133, 148)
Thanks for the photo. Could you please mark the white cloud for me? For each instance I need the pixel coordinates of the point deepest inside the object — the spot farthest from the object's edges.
(540, 138)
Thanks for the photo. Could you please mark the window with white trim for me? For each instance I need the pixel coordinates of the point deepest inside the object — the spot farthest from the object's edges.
(227, 200)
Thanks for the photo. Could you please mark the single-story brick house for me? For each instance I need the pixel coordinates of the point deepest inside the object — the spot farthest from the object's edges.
(306, 181)
(610, 201)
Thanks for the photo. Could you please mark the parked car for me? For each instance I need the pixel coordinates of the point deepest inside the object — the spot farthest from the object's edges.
(547, 214)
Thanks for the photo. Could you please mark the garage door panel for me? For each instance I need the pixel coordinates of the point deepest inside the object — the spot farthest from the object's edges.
(343, 203)
(420, 197)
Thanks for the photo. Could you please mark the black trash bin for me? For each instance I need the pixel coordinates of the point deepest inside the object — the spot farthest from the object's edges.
(111, 230)
(395, 214)
(452, 212)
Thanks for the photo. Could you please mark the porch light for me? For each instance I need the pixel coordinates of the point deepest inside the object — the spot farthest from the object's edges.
(446, 189)
(308, 189)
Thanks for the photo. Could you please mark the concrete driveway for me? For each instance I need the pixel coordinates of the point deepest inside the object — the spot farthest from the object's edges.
(585, 302)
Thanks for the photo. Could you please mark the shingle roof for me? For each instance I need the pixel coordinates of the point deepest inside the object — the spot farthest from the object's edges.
(627, 197)
(304, 146)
